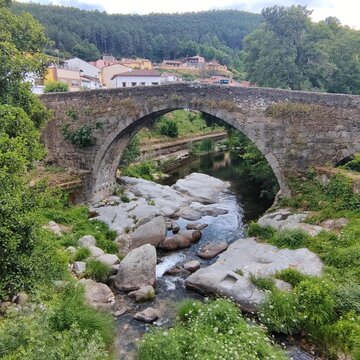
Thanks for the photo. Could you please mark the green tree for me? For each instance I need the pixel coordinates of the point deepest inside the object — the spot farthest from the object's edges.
(56, 86)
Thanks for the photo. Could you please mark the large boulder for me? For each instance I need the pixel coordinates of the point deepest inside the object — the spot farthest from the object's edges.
(212, 249)
(148, 315)
(86, 241)
(180, 240)
(200, 187)
(108, 259)
(98, 295)
(146, 293)
(250, 257)
(137, 269)
(152, 232)
(95, 251)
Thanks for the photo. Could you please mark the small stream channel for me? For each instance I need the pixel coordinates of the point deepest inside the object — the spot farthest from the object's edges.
(243, 203)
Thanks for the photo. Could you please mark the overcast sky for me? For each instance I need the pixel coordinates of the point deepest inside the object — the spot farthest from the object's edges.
(348, 11)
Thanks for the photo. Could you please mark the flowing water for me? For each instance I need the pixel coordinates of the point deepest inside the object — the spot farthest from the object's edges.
(243, 203)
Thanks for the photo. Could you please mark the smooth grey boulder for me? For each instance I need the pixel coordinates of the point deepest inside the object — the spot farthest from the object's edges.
(98, 295)
(152, 232)
(79, 267)
(191, 214)
(196, 226)
(148, 315)
(54, 228)
(108, 259)
(175, 227)
(200, 187)
(86, 241)
(284, 219)
(95, 251)
(137, 269)
(180, 240)
(212, 249)
(192, 266)
(333, 224)
(71, 250)
(254, 258)
(146, 293)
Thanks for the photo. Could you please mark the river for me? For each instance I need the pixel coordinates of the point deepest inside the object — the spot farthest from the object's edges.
(243, 202)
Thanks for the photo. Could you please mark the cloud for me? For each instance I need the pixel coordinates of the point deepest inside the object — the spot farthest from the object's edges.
(75, 3)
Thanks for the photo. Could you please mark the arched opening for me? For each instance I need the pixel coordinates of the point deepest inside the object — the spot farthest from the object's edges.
(108, 158)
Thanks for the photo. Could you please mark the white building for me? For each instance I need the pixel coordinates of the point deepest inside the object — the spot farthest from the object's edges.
(169, 77)
(137, 77)
(82, 66)
(89, 82)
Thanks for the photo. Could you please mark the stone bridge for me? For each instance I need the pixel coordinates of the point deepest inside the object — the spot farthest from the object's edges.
(293, 129)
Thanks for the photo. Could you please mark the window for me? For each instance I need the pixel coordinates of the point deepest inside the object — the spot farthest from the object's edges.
(154, 83)
(142, 84)
(133, 84)
(74, 83)
(124, 84)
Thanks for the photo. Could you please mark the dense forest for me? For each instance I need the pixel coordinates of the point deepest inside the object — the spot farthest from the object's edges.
(215, 34)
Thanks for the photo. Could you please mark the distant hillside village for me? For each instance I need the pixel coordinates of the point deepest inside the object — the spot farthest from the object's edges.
(110, 73)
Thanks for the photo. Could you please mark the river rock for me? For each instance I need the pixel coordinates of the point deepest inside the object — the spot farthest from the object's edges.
(209, 210)
(71, 250)
(79, 267)
(108, 259)
(285, 219)
(255, 258)
(148, 315)
(22, 298)
(191, 214)
(145, 211)
(54, 228)
(333, 224)
(95, 251)
(196, 226)
(98, 295)
(137, 269)
(86, 241)
(142, 221)
(146, 293)
(192, 266)
(175, 242)
(212, 249)
(177, 270)
(175, 227)
(153, 232)
(124, 242)
(200, 187)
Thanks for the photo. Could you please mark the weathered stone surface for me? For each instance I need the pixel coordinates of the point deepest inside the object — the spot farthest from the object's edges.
(212, 249)
(95, 251)
(148, 315)
(333, 224)
(285, 219)
(177, 271)
(190, 214)
(79, 267)
(137, 269)
(22, 298)
(196, 226)
(192, 266)
(146, 293)
(311, 141)
(153, 232)
(108, 259)
(252, 258)
(180, 240)
(71, 250)
(54, 228)
(209, 209)
(98, 295)
(175, 227)
(86, 241)
(200, 187)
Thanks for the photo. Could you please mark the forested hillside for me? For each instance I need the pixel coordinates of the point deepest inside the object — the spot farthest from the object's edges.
(215, 34)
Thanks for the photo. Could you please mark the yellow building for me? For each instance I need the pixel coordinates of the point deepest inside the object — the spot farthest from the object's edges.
(107, 72)
(70, 77)
(143, 64)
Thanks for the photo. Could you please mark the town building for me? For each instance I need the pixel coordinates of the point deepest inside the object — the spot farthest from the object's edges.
(170, 77)
(107, 72)
(70, 77)
(84, 67)
(172, 63)
(137, 77)
(89, 82)
(105, 61)
(195, 61)
(138, 63)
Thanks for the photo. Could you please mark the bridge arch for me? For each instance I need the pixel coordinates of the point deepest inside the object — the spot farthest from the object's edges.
(109, 154)
(293, 129)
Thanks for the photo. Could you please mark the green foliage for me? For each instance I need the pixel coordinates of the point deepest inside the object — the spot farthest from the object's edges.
(131, 152)
(82, 254)
(56, 86)
(210, 331)
(291, 239)
(188, 308)
(167, 127)
(124, 199)
(262, 282)
(71, 310)
(291, 276)
(353, 164)
(263, 232)
(97, 270)
(144, 170)
(81, 137)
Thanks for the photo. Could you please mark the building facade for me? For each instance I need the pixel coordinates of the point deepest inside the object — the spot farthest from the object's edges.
(137, 77)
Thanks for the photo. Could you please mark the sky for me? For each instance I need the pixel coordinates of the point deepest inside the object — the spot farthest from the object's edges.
(348, 11)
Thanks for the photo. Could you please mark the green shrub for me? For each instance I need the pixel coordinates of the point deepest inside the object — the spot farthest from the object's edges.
(144, 170)
(291, 239)
(263, 232)
(347, 297)
(167, 127)
(262, 282)
(81, 137)
(353, 164)
(188, 308)
(71, 310)
(56, 86)
(82, 254)
(131, 152)
(212, 331)
(124, 199)
(291, 276)
(280, 314)
(344, 257)
(97, 270)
